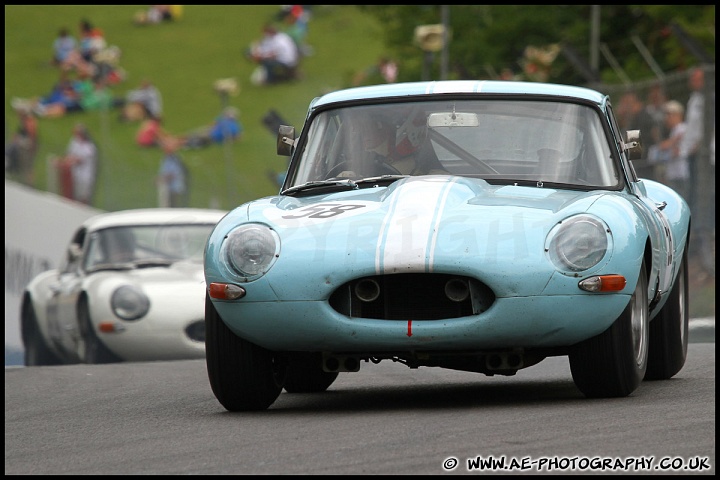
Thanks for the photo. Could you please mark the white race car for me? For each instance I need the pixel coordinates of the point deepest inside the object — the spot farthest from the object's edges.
(130, 288)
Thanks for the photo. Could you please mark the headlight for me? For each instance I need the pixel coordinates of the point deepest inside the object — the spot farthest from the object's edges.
(129, 303)
(251, 250)
(578, 243)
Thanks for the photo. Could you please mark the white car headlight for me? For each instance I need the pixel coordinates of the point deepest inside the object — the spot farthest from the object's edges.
(578, 243)
(129, 303)
(251, 250)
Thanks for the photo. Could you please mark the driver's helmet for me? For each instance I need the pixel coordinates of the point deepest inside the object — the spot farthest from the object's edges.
(373, 125)
(410, 134)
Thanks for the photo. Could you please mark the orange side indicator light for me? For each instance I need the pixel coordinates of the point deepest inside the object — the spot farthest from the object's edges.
(225, 291)
(110, 327)
(603, 283)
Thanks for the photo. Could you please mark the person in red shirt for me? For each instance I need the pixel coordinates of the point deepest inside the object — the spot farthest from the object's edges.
(150, 133)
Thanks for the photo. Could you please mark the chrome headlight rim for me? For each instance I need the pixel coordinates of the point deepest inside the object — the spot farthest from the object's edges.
(579, 243)
(129, 302)
(250, 250)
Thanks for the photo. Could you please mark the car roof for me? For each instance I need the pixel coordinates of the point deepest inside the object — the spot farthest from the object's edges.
(459, 87)
(154, 216)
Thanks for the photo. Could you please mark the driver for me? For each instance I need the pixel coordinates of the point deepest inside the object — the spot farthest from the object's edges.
(403, 145)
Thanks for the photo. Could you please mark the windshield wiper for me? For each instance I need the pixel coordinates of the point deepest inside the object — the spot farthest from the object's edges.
(131, 265)
(322, 186)
(381, 179)
(153, 262)
(101, 267)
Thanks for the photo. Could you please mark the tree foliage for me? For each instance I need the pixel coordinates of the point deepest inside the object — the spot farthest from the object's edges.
(486, 40)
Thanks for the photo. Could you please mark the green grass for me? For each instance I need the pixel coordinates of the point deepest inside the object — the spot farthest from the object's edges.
(183, 59)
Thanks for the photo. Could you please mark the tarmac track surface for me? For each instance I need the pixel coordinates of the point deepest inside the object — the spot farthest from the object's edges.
(162, 418)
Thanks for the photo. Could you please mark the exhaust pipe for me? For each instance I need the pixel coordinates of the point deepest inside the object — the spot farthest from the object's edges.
(367, 290)
(504, 361)
(457, 290)
(340, 363)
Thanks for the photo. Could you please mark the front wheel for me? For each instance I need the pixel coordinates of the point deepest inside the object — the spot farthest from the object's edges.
(243, 376)
(613, 363)
(94, 351)
(669, 331)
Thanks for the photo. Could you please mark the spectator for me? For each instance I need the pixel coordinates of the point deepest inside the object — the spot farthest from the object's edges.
(151, 133)
(173, 178)
(143, 102)
(295, 18)
(92, 40)
(628, 110)
(655, 108)
(68, 56)
(277, 57)
(157, 14)
(80, 162)
(507, 74)
(84, 94)
(98, 96)
(652, 129)
(106, 65)
(63, 98)
(385, 71)
(226, 127)
(21, 150)
(666, 152)
(690, 143)
(632, 115)
(64, 45)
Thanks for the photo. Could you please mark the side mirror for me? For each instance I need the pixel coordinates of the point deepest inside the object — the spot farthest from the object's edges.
(633, 146)
(285, 140)
(74, 252)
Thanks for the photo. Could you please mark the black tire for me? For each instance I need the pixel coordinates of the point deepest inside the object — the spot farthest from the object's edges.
(37, 353)
(669, 330)
(305, 374)
(94, 351)
(613, 363)
(243, 376)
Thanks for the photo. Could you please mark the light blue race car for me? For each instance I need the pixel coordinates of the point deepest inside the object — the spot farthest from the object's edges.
(470, 225)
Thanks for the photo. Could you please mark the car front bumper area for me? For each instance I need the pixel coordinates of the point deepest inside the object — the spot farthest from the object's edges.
(528, 322)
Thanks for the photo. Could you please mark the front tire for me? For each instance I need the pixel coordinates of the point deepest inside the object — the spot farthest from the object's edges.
(94, 351)
(37, 353)
(613, 363)
(243, 376)
(669, 330)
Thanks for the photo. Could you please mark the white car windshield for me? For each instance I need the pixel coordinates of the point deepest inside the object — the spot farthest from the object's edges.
(501, 141)
(150, 245)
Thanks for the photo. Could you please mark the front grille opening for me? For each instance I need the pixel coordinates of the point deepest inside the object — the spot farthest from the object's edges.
(412, 296)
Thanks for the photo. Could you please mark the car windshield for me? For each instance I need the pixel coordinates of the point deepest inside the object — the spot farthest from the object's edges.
(146, 245)
(501, 141)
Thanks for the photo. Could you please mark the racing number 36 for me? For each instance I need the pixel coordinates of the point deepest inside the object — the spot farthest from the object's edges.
(323, 210)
